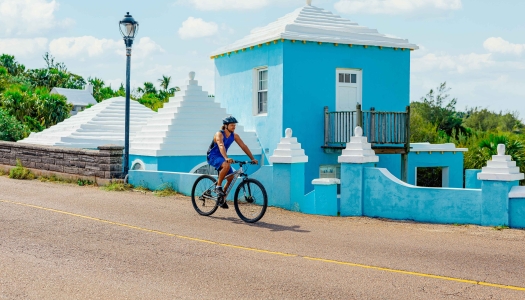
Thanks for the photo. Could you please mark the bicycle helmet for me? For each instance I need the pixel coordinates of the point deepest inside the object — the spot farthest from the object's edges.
(229, 120)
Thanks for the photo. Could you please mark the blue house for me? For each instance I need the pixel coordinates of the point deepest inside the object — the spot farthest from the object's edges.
(320, 75)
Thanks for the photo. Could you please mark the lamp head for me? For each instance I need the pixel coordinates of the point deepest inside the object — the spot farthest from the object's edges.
(128, 27)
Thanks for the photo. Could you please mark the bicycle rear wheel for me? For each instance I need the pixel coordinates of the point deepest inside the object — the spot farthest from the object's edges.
(250, 200)
(203, 195)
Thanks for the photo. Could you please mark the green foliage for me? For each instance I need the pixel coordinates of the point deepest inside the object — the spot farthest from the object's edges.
(118, 186)
(19, 172)
(434, 109)
(165, 190)
(10, 128)
(485, 120)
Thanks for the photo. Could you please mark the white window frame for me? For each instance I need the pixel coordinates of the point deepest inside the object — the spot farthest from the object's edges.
(256, 91)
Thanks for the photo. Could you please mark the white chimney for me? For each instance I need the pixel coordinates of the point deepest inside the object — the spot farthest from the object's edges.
(89, 88)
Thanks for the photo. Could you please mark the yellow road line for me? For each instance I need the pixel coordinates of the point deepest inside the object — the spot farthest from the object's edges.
(474, 282)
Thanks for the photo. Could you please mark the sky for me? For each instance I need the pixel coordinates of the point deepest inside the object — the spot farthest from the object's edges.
(476, 46)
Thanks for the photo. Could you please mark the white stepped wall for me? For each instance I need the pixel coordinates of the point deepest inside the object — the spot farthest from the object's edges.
(185, 126)
(99, 125)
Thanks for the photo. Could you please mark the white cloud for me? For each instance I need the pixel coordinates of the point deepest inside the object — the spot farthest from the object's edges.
(23, 47)
(226, 4)
(499, 45)
(82, 46)
(26, 17)
(145, 47)
(68, 47)
(392, 7)
(444, 62)
(196, 28)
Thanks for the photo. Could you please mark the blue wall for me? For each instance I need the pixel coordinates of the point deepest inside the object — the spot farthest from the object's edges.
(393, 199)
(302, 81)
(234, 90)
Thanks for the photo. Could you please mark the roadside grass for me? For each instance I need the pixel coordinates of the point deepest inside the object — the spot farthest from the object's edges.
(117, 186)
(2, 172)
(20, 172)
(166, 190)
(57, 179)
(501, 227)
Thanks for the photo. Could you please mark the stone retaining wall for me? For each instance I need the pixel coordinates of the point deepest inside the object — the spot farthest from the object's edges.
(106, 162)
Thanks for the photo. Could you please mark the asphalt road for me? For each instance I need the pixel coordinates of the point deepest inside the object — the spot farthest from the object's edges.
(62, 241)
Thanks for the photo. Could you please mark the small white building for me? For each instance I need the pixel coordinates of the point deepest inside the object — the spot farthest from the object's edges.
(80, 99)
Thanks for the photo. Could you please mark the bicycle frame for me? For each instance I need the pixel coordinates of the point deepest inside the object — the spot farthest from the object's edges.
(238, 173)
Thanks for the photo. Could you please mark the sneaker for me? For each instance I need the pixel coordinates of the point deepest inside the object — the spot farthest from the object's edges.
(219, 191)
(224, 205)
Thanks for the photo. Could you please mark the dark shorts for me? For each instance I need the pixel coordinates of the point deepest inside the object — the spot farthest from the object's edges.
(216, 162)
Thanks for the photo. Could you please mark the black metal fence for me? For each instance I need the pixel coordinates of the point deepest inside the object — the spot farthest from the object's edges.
(381, 128)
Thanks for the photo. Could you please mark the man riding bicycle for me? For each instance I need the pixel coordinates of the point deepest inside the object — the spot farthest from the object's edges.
(218, 157)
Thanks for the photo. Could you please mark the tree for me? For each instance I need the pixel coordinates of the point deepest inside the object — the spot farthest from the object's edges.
(433, 108)
(11, 65)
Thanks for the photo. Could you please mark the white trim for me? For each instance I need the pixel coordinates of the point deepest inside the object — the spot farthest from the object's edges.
(140, 162)
(359, 85)
(255, 91)
(198, 167)
(517, 192)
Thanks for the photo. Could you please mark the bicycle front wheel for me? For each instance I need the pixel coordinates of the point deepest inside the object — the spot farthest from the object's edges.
(250, 200)
(203, 195)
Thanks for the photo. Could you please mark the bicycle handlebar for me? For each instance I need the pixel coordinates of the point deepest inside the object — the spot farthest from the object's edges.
(243, 162)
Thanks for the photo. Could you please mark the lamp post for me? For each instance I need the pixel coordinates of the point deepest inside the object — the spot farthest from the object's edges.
(128, 30)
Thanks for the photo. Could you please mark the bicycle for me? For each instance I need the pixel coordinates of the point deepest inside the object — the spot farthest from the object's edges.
(250, 198)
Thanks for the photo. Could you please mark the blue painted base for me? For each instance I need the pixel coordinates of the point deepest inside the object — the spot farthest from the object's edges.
(495, 202)
(517, 213)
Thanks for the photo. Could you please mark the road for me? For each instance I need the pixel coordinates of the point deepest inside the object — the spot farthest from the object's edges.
(60, 241)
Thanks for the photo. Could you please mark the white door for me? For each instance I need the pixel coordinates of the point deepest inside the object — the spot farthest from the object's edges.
(348, 89)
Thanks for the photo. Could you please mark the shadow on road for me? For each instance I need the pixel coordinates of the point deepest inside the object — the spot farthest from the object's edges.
(272, 227)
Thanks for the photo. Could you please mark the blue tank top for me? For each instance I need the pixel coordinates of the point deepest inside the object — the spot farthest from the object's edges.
(214, 151)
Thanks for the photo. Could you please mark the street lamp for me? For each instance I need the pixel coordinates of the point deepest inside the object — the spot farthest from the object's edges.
(128, 30)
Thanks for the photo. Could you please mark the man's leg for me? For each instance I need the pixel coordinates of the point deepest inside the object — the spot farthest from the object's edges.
(225, 168)
(228, 182)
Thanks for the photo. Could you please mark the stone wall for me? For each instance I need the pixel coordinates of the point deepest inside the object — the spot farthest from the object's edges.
(106, 162)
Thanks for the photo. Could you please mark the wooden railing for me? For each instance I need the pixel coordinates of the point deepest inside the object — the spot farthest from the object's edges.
(381, 128)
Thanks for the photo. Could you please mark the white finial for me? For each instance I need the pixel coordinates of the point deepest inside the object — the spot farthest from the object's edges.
(192, 75)
(501, 149)
(358, 132)
(309, 2)
(288, 133)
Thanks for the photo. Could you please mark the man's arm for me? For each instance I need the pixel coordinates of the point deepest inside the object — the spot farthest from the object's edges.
(220, 143)
(245, 148)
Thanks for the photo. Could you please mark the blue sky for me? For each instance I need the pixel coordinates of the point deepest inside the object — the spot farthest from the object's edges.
(476, 46)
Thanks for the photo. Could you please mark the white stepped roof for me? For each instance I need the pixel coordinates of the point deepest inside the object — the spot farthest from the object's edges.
(310, 23)
(185, 126)
(99, 125)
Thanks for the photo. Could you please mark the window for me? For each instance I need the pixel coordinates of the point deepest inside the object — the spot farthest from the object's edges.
(262, 91)
(347, 78)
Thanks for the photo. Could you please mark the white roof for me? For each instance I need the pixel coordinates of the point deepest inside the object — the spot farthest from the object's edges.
(99, 125)
(76, 97)
(185, 126)
(310, 23)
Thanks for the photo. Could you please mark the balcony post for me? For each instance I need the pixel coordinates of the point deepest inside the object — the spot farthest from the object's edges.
(326, 125)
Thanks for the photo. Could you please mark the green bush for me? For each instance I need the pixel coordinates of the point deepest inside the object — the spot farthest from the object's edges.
(10, 128)
(19, 172)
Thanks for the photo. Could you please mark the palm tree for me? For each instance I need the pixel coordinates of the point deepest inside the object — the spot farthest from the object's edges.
(165, 82)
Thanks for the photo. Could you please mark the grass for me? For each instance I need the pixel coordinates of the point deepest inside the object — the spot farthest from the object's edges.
(501, 227)
(118, 186)
(57, 179)
(2, 172)
(166, 190)
(20, 172)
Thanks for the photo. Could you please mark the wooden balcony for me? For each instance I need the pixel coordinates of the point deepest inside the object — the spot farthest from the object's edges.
(388, 132)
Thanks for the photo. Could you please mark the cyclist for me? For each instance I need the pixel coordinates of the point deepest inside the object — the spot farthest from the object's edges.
(218, 157)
